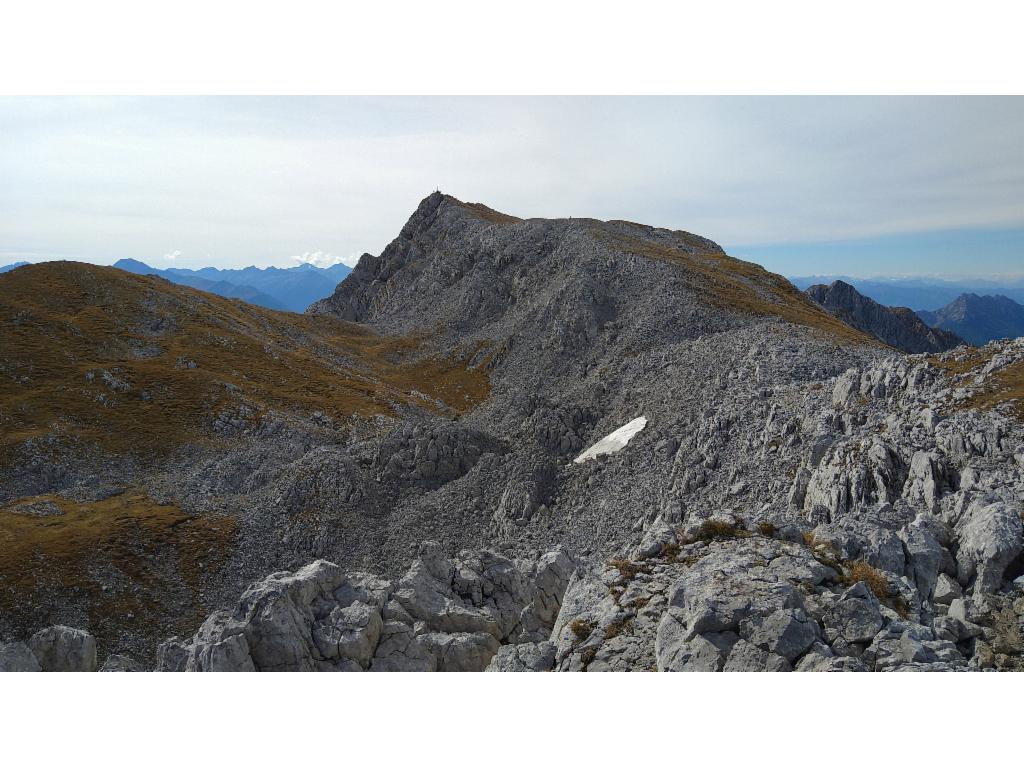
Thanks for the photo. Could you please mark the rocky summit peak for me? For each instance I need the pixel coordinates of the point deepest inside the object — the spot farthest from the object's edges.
(979, 319)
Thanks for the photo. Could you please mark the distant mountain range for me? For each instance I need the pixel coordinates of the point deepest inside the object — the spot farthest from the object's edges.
(978, 315)
(979, 319)
(918, 293)
(898, 327)
(292, 289)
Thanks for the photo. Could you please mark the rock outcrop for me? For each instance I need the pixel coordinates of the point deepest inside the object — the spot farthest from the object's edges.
(442, 615)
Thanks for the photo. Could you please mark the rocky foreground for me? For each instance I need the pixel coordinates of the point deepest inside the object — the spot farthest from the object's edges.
(883, 564)
(793, 494)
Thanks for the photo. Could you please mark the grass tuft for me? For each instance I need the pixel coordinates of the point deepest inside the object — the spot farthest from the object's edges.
(878, 582)
(581, 628)
(628, 569)
(616, 628)
(712, 530)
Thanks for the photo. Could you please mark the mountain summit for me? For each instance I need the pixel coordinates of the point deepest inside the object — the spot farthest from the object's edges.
(979, 319)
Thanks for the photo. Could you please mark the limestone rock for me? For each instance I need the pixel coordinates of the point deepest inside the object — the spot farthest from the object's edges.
(118, 663)
(17, 657)
(64, 649)
(525, 657)
(990, 537)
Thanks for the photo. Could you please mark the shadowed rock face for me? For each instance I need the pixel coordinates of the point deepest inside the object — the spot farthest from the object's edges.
(898, 327)
(979, 319)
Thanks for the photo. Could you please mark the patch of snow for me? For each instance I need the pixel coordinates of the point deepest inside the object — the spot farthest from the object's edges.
(614, 442)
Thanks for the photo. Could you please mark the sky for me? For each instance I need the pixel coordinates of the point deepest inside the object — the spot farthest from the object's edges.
(804, 185)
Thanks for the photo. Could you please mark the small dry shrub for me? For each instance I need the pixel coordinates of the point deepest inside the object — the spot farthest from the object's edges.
(616, 628)
(588, 656)
(581, 628)
(710, 530)
(859, 570)
(670, 552)
(628, 569)
(767, 529)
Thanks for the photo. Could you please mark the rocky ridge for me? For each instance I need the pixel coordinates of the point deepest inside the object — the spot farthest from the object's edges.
(898, 327)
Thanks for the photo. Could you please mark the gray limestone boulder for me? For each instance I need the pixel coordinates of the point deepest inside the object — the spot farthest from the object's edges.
(925, 555)
(17, 657)
(854, 618)
(990, 537)
(461, 651)
(64, 649)
(118, 663)
(747, 657)
(401, 650)
(786, 633)
(525, 657)
(947, 589)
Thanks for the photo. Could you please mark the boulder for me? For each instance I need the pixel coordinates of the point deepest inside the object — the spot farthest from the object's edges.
(786, 633)
(525, 657)
(64, 649)
(17, 657)
(947, 589)
(400, 650)
(461, 651)
(747, 657)
(990, 537)
(854, 618)
(117, 663)
(925, 555)
(656, 538)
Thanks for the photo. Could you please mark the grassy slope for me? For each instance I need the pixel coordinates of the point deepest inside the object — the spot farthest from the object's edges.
(65, 324)
(62, 325)
(1006, 386)
(733, 284)
(126, 560)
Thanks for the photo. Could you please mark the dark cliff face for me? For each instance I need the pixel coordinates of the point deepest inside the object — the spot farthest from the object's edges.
(979, 319)
(898, 327)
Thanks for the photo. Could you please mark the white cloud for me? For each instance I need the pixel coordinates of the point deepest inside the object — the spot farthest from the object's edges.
(172, 255)
(323, 259)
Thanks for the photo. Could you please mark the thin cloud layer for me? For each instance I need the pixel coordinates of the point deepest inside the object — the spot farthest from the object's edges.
(253, 181)
(323, 260)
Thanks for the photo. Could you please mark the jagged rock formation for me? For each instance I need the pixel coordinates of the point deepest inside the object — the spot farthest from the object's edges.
(979, 319)
(442, 615)
(800, 497)
(898, 327)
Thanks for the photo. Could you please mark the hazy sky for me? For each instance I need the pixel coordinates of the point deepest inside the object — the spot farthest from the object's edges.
(857, 186)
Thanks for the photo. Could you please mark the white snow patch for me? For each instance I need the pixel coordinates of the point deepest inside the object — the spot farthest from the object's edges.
(614, 442)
